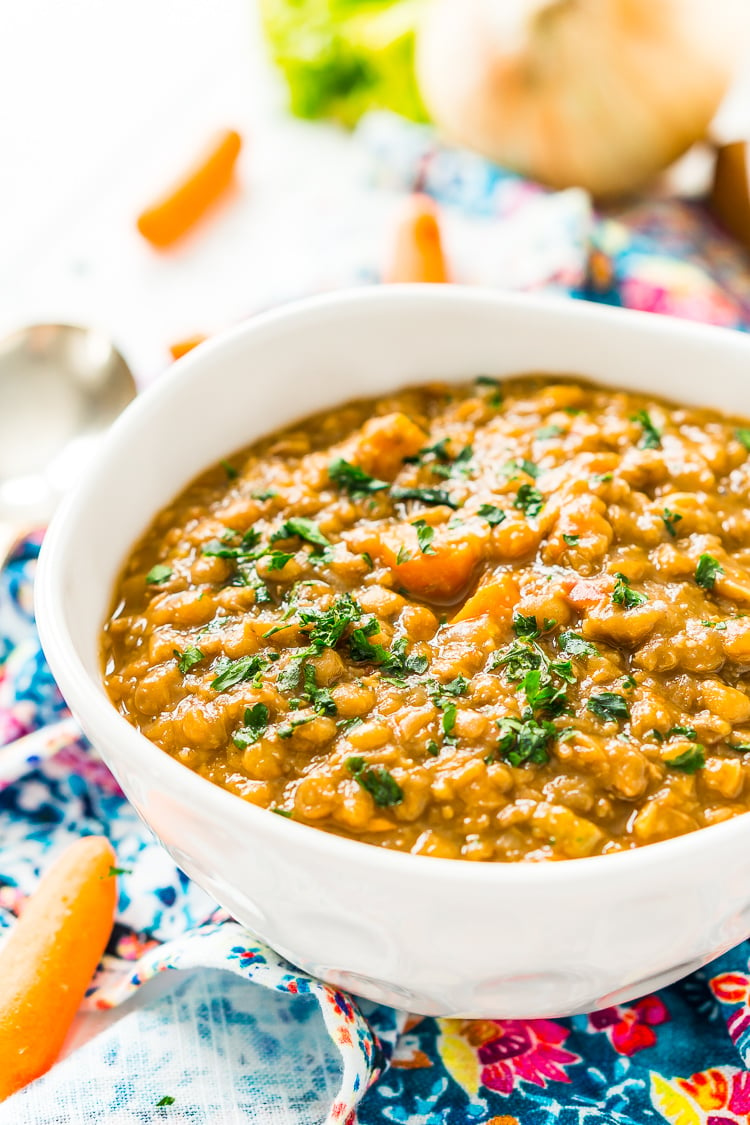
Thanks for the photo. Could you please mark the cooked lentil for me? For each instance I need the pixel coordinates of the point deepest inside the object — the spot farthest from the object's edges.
(482, 622)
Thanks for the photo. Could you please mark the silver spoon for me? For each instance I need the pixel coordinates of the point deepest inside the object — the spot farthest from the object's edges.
(60, 388)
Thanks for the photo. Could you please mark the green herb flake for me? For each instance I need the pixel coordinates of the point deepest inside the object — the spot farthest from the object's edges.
(525, 742)
(114, 871)
(486, 381)
(432, 748)
(670, 520)
(492, 514)
(683, 732)
(320, 697)
(282, 812)
(304, 529)
(159, 574)
(448, 720)
(288, 730)
(609, 706)
(255, 725)
(329, 627)
(707, 570)
(189, 658)
(404, 555)
(277, 560)
(572, 644)
(628, 683)
(166, 1100)
(529, 500)
(232, 672)
(368, 559)
(379, 783)
(651, 438)
(690, 761)
(521, 465)
(268, 495)
(625, 596)
(426, 496)
(353, 479)
(546, 433)
(743, 437)
(425, 535)
(230, 470)
(571, 540)
(525, 627)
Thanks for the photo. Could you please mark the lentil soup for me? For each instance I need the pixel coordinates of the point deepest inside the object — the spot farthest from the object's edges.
(496, 621)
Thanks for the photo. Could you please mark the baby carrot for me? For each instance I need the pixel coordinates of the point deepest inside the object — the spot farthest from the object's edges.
(182, 347)
(180, 209)
(417, 253)
(49, 959)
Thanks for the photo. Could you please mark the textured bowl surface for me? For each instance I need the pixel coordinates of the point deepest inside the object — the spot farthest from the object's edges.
(434, 936)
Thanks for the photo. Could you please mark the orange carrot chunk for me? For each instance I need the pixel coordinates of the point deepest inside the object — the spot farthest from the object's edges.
(48, 961)
(417, 253)
(496, 598)
(172, 216)
(441, 576)
(182, 347)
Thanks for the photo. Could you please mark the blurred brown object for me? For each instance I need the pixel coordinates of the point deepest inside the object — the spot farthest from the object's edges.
(729, 201)
(417, 252)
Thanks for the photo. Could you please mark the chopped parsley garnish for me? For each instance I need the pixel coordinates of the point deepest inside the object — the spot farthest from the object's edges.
(432, 748)
(404, 555)
(525, 627)
(706, 571)
(542, 695)
(609, 706)
(522, 465)
(282, 812)
(425, 495)
(743, 437)
(547, 432)
(670, 520)
(492, 514)
(268, 495)
(529, 500)
(459, 467)
(379, 783)
(448, 720)
(438, 449)
(368, 559)
(651, 435)
(231, 672)
(304, 529)
(320, 697)
(158, 574)
(629, 682)
(188, 659)
(353, 479)
(571, 540)
(690, 761)
(459, 686)
(683, 732)
(277, 560)
(255, 725)
(425, 535)
(223, 549)
(525, 741)
(113, 871)
(166, 1100)
(288, 730)
(625, 596)
(487, 381)
(574, 645)
(230, 470)
(329, 627)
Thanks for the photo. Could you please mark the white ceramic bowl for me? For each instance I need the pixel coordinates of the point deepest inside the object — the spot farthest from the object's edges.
(434, 936)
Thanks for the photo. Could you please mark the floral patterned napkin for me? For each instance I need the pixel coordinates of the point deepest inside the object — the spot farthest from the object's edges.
(203, 1046)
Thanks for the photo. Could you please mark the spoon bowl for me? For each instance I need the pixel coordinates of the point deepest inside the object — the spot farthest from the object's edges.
(61, 387)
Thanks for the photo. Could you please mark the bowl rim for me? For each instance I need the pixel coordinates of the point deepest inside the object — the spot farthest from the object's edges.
(89, 699)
